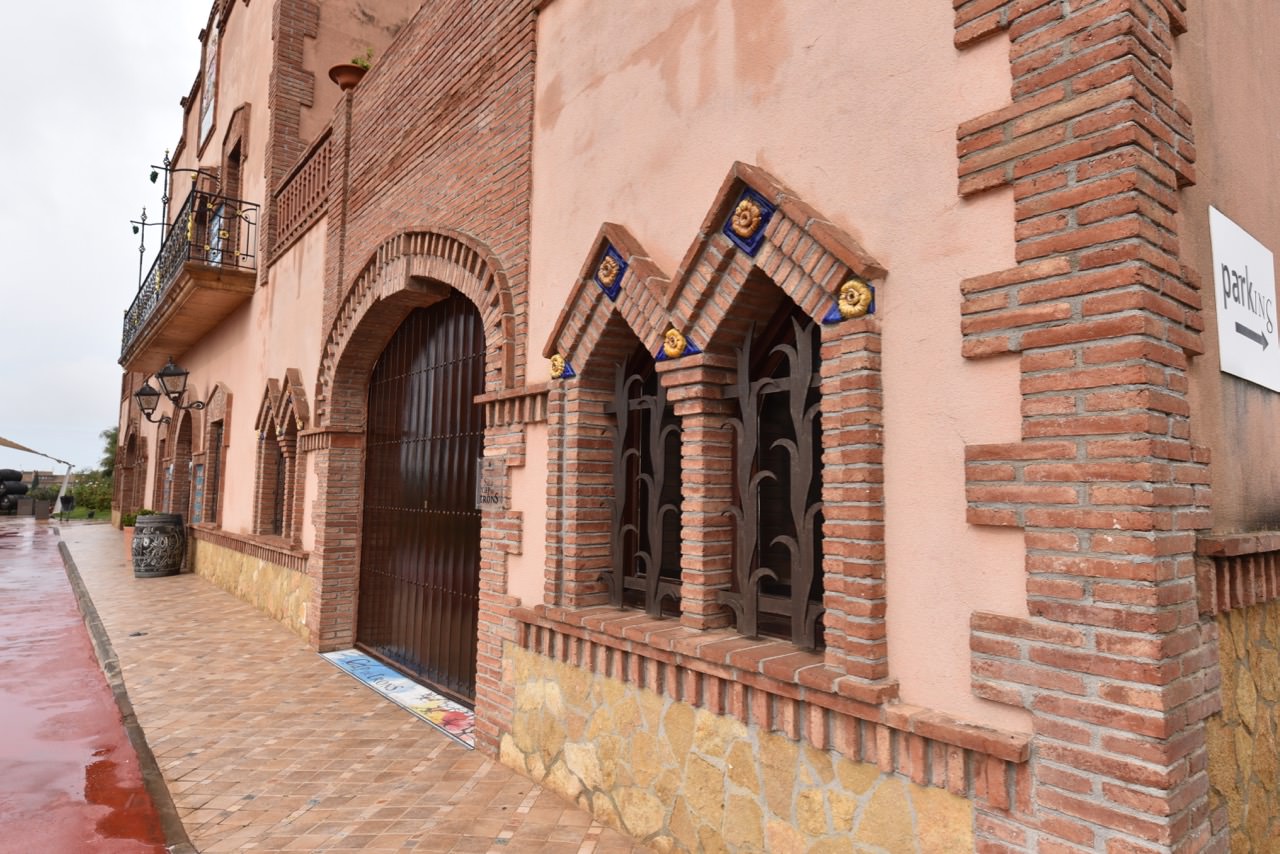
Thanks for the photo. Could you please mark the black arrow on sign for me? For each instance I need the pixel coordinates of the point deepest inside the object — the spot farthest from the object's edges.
(1256, 337)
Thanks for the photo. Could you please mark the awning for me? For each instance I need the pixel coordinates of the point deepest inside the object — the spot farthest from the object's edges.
(7, 443)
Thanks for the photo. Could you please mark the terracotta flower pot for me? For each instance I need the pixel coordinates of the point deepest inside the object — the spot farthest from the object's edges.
(128, 544)
(347, 75)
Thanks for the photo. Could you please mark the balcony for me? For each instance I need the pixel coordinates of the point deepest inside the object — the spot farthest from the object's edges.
(205, 270)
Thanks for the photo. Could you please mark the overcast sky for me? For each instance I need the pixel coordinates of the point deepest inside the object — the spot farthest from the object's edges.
(96, 104)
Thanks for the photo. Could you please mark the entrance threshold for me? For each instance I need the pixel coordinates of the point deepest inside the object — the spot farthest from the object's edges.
(453, 719)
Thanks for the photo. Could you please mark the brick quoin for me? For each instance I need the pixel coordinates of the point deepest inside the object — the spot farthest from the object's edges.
(290, 88)
(1114, 665)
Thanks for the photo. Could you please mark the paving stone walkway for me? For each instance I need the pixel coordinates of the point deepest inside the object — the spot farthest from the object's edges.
(265, 746)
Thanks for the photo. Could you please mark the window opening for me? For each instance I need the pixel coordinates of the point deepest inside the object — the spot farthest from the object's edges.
(278, 496)
(646, 476)
(777, 583)
(213, 473)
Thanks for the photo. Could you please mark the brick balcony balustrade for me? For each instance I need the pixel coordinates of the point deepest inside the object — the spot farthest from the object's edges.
(206, 268)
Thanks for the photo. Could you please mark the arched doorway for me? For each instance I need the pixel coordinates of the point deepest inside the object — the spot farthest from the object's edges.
(420, 553)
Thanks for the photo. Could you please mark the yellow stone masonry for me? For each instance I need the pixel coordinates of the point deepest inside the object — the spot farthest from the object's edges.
(274, 589)
(683, 779)
(1243, 762)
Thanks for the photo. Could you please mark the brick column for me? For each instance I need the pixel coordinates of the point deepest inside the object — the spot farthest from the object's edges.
(695, 387)
(853, 499)
(579, 492)
(337, 515)
(1114, 665)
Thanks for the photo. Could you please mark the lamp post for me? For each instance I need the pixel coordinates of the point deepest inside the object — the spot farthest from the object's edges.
(173, 385)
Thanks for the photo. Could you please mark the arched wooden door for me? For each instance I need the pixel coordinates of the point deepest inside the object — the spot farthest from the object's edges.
(420, 553)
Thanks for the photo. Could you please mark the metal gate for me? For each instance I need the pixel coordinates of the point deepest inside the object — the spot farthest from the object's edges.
(420, 558)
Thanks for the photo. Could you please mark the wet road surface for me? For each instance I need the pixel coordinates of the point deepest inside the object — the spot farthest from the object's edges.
(69, 777)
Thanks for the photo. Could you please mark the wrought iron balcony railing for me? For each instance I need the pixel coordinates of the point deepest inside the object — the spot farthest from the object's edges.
(211, 230)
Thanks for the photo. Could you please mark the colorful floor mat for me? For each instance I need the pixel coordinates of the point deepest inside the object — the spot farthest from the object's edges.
(453, 719)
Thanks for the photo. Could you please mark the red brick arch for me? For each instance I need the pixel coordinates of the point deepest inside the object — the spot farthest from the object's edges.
(412, 269)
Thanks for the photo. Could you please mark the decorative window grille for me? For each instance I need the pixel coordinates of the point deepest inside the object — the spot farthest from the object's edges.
(278, 491)
(646, 508)
(777, 557)
(197, 494)
(213, 483)
(277, 488)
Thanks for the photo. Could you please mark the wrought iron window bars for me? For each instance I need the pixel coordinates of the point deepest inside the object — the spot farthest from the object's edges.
(777, 510)
(646, 506)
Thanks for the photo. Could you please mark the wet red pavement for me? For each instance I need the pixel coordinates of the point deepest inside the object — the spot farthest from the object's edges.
(69, 777)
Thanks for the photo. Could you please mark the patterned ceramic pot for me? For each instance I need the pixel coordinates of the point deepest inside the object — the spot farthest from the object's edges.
(159, 545)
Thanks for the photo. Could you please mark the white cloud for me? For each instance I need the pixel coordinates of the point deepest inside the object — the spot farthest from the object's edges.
(97, 106)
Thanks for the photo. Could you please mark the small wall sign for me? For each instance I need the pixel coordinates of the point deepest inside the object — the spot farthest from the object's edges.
(491, 484)
(1244, 279)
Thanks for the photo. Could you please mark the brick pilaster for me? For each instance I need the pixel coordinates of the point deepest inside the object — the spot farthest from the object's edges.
(290, 87)
(337, 514)
(853, 500)
(696, 389)
(1114, 665)
(580, 475)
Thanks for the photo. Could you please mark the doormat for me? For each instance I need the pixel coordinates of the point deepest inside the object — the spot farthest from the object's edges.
(453, 719)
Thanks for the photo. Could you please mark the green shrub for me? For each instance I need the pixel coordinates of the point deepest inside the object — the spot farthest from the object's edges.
(44, 493)
(92, 489)
(128, 520)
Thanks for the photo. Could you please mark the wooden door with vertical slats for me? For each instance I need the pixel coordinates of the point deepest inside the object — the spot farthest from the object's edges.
(420, 553)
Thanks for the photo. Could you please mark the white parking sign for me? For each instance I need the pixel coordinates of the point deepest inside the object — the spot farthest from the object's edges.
(1244, 278)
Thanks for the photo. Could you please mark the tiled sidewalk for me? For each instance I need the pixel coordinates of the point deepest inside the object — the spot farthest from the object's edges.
(267, 747)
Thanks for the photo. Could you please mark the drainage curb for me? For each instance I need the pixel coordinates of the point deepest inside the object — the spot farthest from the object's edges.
(174, 833)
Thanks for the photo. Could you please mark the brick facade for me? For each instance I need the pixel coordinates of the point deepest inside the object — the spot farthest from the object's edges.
(1114, 664)
(390, 189)
(423, 184)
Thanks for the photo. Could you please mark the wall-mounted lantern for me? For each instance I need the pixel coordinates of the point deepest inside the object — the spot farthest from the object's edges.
(173, 384)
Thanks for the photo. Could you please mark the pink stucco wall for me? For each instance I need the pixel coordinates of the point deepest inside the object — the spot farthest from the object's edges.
(525, 570)
(279, 328)
(1226, 67)
(641, 110)
(347, 30)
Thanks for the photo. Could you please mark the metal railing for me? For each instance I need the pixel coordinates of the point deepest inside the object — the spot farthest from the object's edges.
(208, 229)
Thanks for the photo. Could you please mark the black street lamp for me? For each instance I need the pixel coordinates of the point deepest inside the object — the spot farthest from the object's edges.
(173, 383)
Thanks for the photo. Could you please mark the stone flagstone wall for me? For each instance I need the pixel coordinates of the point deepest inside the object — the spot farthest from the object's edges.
(685, 779)
(1243, 766)
(277, 590)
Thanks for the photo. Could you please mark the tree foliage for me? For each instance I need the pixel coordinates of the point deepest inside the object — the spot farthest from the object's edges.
(111, 438)
(92, 488)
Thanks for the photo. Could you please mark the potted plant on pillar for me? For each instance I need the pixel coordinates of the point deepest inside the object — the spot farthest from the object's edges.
(348, 74)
